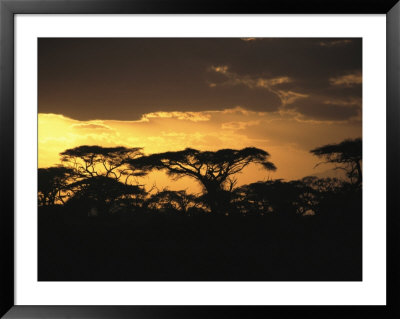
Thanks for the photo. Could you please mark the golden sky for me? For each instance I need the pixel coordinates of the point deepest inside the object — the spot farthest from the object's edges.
(287, 137)
(286, 96)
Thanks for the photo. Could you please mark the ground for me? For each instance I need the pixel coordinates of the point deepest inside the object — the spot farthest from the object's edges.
(151, 247)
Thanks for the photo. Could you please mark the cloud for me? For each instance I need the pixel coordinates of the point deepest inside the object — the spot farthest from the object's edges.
(267, 83)
(249, 81)
(352, 102)
(235, 110)
(223, 69)
(253, 39)
(253, 82)
(329, 113)
(332, 43)
(289, 97)
(91, 126)
(181, 79)
(190, 116)
(321, 108)
(286, 134)
(238, 125)
(347, 80)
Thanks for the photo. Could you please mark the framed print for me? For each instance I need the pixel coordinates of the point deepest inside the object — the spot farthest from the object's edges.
(174, 160)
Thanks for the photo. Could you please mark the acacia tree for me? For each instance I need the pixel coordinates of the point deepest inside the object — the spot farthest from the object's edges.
(53, 183)
(275, 196)
(94, 161)
(331, 185)
(179, 201)
(102, 192)
(346, 155)
(213, 170)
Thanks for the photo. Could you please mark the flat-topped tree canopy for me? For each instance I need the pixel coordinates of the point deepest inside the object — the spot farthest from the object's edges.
(347, 155)
(217, 166)
(94, 160)
(346, 151)
(212, 169)
(103, 188)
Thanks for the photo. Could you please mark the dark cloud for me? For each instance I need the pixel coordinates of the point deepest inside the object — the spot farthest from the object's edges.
(122, 79)
(322, 108)
(331, 43)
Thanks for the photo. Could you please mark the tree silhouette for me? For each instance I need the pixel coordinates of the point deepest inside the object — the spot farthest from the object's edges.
(323, 185)
(178, 201)
(276, 196)
(52, 182)
(102, 192)
(97, 178)
(92, 161)
(213, 170)
(346, 155)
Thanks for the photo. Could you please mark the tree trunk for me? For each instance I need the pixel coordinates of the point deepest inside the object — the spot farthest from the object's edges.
(212, 196)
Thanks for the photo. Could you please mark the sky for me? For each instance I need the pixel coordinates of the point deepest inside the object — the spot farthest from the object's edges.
(284, 95)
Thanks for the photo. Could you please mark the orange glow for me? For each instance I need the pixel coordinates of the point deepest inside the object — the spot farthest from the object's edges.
(284, 135)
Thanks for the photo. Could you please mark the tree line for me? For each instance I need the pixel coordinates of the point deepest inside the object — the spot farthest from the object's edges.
(102, 181)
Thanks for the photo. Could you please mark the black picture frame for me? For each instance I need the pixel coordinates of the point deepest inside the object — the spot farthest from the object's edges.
(9, 8)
